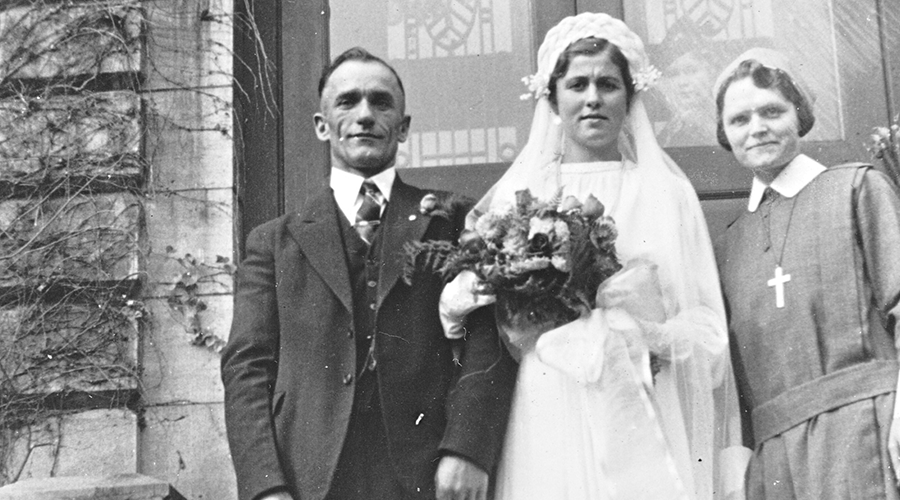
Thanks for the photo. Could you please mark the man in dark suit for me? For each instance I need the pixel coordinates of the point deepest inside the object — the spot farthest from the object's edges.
(339, 382)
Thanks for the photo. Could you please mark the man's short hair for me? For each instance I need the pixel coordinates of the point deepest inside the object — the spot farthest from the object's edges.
(355, 54)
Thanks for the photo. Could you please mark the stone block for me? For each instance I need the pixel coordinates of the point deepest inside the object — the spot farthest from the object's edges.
(46, 40)
(77, 238)
(96, 442)
(68, 349)
(174, 370)
(185, 445)
(189, 140)
(190, 109)
(116, 487)
(188, 43)
(88, 128)
(199, 223)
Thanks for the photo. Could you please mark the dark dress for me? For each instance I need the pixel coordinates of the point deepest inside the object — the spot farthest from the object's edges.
(817, 377)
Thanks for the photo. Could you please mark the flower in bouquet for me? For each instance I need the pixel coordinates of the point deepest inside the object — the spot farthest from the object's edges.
(543, 259)
(884, 145)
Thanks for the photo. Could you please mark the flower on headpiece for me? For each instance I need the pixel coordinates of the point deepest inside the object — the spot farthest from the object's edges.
(645, 78)
(537, 85)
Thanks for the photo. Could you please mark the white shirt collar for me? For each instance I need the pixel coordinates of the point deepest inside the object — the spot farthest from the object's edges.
(795, 176)
(345, 186)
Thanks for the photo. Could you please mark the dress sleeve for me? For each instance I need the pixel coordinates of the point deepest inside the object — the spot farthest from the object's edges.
(696, 325)
(877, 213)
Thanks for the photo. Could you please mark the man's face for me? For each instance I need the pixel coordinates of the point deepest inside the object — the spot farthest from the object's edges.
(762, 128)
(362, 117)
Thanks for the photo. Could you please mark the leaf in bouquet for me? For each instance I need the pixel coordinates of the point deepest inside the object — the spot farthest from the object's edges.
(591, 267)
(471, 252)
(425, 256)
(548, 209)
(557, 198)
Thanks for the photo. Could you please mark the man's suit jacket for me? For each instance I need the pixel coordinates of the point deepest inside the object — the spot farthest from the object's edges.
(289, 365)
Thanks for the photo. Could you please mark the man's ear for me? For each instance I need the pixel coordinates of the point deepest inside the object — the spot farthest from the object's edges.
(323, 132)
(404, 129)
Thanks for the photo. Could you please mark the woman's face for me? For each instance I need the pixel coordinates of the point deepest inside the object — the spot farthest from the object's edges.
(762, 127)
(591, 101)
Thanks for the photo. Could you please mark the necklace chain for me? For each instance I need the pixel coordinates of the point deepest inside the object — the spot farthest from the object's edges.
(768, 225)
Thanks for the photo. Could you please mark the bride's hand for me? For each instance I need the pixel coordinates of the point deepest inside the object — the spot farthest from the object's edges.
(460, 297)
(636, 290)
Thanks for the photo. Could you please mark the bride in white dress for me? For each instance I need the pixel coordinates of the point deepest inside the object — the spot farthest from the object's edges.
(588, 422)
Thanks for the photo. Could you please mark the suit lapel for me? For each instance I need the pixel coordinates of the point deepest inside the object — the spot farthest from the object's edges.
(318, 234)
(403, 222)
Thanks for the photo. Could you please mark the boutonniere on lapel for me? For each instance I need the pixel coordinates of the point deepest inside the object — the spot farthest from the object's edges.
(433, 206)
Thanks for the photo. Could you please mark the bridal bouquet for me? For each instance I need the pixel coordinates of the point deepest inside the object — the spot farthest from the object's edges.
(542, 259)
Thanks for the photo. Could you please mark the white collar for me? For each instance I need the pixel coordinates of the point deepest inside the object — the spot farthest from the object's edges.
(345, 186)
(795, 176)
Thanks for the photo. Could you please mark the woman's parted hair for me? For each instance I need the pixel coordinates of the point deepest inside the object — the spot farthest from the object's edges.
(764, 77)
(588, 47)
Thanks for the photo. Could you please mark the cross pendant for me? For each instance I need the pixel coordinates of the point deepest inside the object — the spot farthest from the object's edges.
(778, 282)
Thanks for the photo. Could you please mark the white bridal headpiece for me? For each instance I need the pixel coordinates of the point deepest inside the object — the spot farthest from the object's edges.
(587, 25)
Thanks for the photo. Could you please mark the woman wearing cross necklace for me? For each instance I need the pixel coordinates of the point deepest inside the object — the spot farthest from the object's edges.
(811, 277)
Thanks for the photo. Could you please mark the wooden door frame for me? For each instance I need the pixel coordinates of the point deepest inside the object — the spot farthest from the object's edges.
(280, 49)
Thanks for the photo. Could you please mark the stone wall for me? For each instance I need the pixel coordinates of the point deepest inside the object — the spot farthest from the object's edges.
(115, 164)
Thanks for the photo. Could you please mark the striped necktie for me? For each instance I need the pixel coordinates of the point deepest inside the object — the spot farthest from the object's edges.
(369, 215)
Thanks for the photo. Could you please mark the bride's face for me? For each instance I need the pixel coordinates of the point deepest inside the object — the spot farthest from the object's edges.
(591, 101)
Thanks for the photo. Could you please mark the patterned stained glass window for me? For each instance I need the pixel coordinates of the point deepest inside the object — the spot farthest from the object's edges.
(461, 62)
(691, 41)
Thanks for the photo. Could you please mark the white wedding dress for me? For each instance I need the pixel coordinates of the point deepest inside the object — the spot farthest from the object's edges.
(587, 423)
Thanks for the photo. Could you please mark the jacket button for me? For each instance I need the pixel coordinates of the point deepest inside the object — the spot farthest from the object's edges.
(372, 284)
(372, 306)
(348, 378)
(350, 333)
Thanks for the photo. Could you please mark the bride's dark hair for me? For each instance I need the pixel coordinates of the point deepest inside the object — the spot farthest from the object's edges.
(588, 47)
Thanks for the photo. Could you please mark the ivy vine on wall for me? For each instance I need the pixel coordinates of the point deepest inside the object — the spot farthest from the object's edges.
(73, 185)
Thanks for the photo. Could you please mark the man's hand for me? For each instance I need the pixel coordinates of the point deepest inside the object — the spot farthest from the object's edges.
(459, 479)
(894, 448)
(281, 495)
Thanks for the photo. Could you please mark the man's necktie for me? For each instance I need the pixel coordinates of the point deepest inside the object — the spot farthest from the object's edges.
(369, 215)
